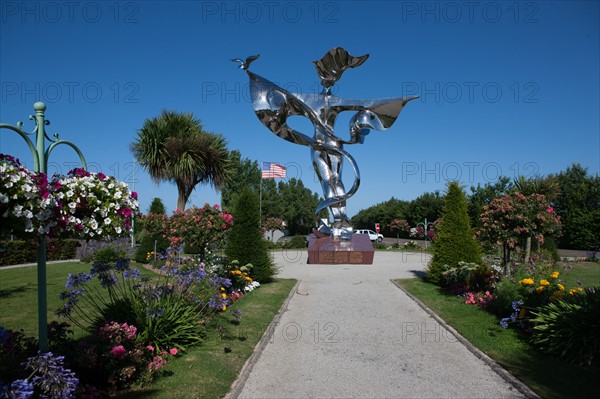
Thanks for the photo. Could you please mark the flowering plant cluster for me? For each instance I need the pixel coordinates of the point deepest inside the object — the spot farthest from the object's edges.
(537, 290)
(508, 219)
(24, 194)
(48, 378)
(123, 357)
(481, 299)
(86, 205)
(199, 226)
(92, 205)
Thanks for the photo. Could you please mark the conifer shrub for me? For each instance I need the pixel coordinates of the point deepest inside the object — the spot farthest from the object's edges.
(245, 242)
(455, 240)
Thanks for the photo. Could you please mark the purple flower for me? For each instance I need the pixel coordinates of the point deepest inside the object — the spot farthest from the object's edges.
(132, 274)
(122, 264)
(20, 389)
(504, 322)
(516, 305)
(51, 377)
(75, 280)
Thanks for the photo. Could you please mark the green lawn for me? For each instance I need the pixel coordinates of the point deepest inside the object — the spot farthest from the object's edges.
(19, 300)
(548, 376)
(206, 371)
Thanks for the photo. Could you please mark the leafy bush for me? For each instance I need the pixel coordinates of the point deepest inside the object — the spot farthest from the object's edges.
(147, 245)
(570, 328)
(25, 251)
(296, 242)
(14, 347)
(506, 292)
(412, 244)
(109, 254)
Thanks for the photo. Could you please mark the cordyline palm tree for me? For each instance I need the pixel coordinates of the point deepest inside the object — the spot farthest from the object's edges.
(173, 147)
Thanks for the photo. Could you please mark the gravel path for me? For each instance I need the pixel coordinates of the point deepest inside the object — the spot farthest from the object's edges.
(348, 332)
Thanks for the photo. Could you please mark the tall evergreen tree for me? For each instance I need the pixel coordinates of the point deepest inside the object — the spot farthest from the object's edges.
(245, 242)
(244, 173)
(157, 206)
(455, 241)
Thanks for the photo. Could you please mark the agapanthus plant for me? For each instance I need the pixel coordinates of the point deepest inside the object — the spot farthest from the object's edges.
(167, 311)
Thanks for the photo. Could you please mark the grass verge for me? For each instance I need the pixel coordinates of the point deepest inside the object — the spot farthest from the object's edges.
(207, 371)
(547, 376)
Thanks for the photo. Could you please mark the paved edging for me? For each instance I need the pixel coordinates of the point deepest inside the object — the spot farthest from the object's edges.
(240, 381)
(50, 262)
(502, 372)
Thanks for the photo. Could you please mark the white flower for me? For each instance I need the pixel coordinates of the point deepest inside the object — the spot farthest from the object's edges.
(94, 224)
(107, 221)
(8, 185)
(70, 193)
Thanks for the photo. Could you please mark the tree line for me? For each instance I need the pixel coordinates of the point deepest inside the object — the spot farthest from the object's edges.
(573, 193)
(175, 147)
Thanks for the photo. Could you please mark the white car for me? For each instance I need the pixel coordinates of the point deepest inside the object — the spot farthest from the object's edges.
(372, 235)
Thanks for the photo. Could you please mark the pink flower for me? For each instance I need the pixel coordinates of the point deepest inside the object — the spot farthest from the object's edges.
(173, 351)
(134, 195)
(118, 352)
(101, 176)
(157, 363)
(150, 348)
(549, 209)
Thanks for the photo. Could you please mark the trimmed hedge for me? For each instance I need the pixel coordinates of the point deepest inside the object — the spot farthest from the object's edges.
(25, 251)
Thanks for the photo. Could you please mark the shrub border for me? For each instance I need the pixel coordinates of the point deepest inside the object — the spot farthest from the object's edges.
(502, 372)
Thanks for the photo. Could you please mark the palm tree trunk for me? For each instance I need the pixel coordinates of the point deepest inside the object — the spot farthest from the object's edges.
(181, 197)
(527, 249)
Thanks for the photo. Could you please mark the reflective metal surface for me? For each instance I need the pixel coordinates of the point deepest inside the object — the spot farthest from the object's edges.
(273, 105)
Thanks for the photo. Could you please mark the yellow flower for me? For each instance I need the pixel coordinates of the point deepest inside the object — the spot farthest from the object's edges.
(579, 289)
(572, 291)
(561, 287)
(539, 289)
(527, 281)
(223, 296)
(554, 274)
(522, 313)
(248, 279)
(544, 282)
(222, 289)
(224, 308)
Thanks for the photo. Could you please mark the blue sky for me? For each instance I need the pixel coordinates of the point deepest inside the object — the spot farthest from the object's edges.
(507, 88)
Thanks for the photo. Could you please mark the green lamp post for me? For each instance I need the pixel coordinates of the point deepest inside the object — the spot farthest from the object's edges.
(425, 225)
(40, 155)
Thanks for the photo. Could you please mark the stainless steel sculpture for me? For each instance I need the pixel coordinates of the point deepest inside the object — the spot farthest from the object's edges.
(273, 105)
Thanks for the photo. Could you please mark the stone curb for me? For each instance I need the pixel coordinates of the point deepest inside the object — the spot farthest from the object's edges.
(50, 262)
(240, 381)
(509, 378)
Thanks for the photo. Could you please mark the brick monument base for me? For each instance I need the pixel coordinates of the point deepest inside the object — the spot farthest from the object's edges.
(326, 250)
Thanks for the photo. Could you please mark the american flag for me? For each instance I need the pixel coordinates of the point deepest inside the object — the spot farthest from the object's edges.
(272, 170)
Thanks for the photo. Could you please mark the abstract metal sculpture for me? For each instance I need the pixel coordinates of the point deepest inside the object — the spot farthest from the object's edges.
(273, 105)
